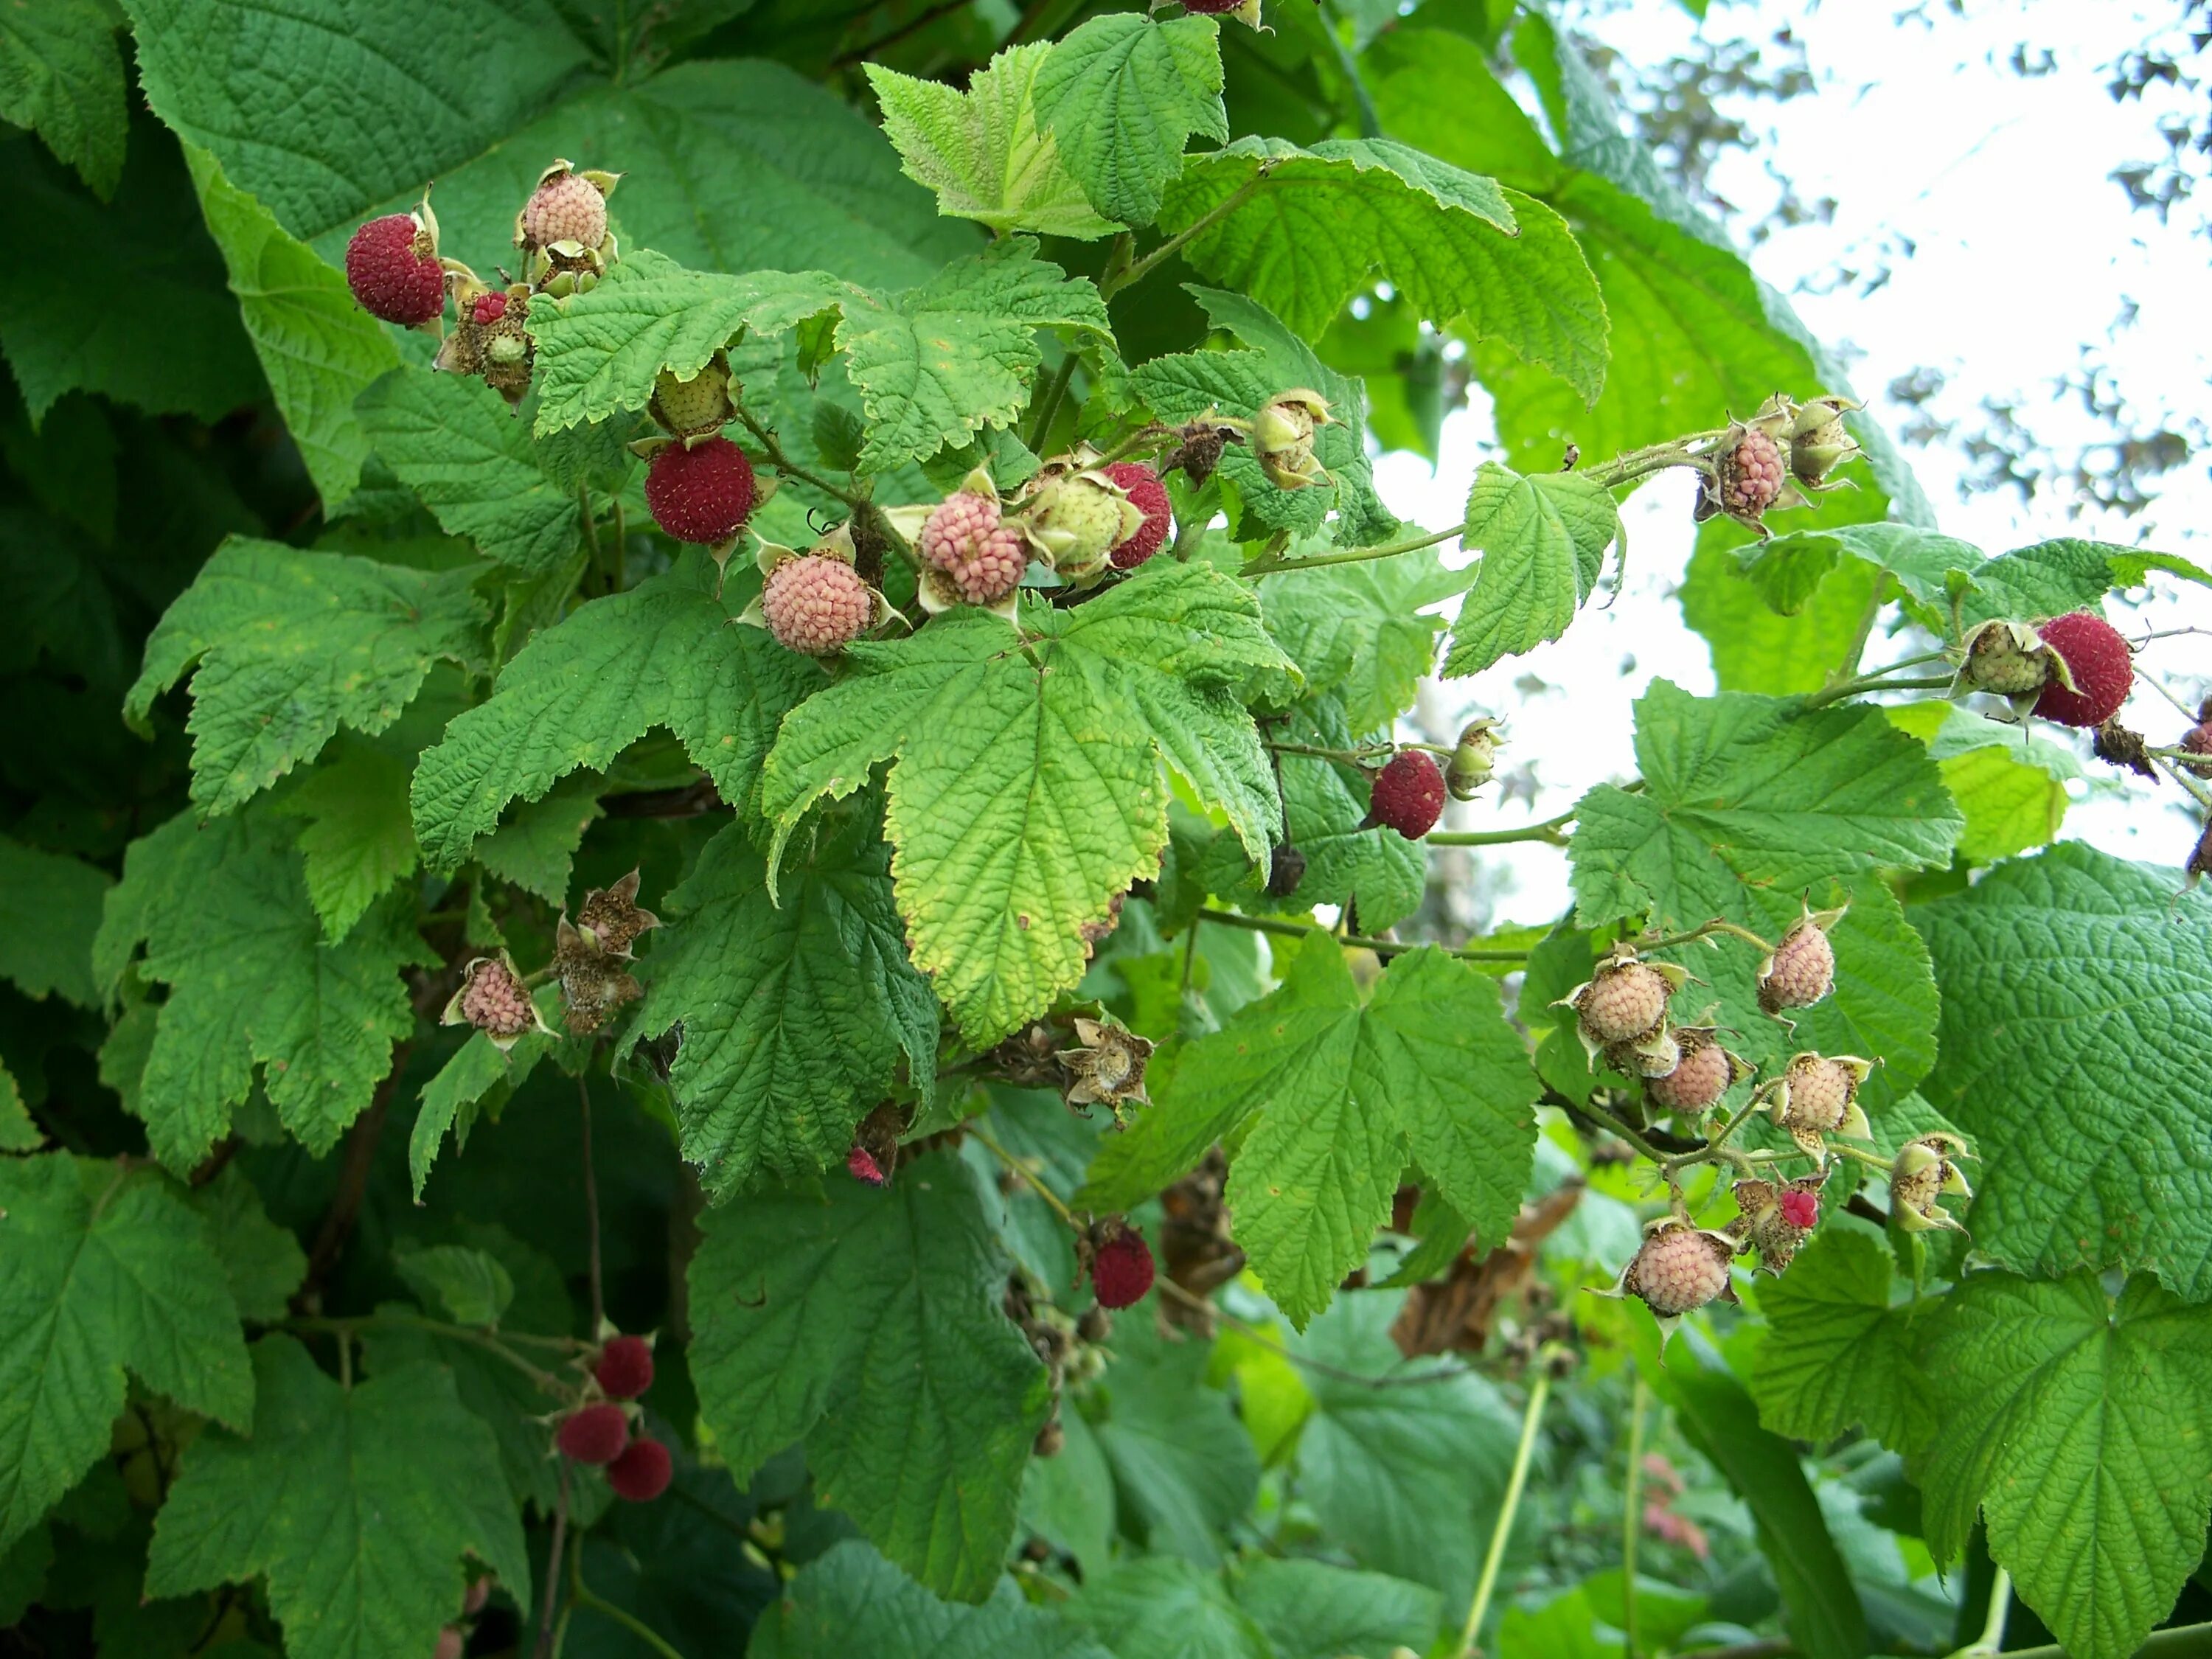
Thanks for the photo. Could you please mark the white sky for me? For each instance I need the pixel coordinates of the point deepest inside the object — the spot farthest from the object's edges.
(2025, 249)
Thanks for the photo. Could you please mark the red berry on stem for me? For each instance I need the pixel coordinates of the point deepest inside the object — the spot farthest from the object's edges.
(642, 1474)
(2099, 662)
(1800, 1210)
(1122, 1271)
(703, 495)
(1150, 496)
(1409, 794)
(392, 272)
(594, 1434)
(860, 1164)
(624, 1368)
(488, 309)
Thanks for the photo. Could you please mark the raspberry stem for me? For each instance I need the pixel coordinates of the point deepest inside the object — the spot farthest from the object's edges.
(1494, 1557)
(783, 463)
(1382, 947)
(1547, 831)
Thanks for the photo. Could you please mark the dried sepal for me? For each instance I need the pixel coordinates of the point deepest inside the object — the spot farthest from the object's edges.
(1107, 1068)
(1925, 1169)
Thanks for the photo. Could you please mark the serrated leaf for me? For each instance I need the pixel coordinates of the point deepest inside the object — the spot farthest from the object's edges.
(224, 914)
(105, 1271)
(1756, 648)
(1840, 1349)
(664, 654)
(2052, 578)
(469, 1287)
(1313, 1610)
(356, 1505)
(795, 1013)
(359, 839)
(2076, 1048)
(291, 645)
(1383, 874)
(1360, 630)
(49, 909)
(19, 1131)
(981, 150)
(1160, 1604)
(1922, 562)
(1543, 542)
(263, 1261)
(1026, 788)
(1316, 225)
(1193, 385)
(2073, 1419)
(479, 1076)
(453, 442)
(75, 317)
(535, 845)
(317, 348)
(1121, 96)
(62, 75)
(2009, 785)
(1184, 1468)
(869, 1324)
(850, 1600)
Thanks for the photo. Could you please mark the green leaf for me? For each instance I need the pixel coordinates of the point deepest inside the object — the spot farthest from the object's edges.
(262, 1261)
(356, 1505)
(1161, 1604)
(982, 151)
(359, 839)
(1407, 1479)
(1361, 629)
(224, 913)
(1026, 790)
(1184, 1468)
(317, 348)
(1193, 385)
(454, 442)
(869, 1325)
(469, 1287)
(2011, 787)
(2077, 1056)
(1311, 1610)
(19, 1131)
(2053, 578)
(1543, 542)
(106, 1271)
(2072, 1416)
(49, 911)
(1121, 96)
(850, 1601)
(61, 75)
(1922, 562)
(1839, 1350)
(291, 645)
(795, 1013)
(1314, 227)
(1756, 648)
(1348, 1090)
(76, 317)
(663, 654)
(502, 1398)
(535, 846)
(1820, 1607)
(479, 1077)
(1383, 874)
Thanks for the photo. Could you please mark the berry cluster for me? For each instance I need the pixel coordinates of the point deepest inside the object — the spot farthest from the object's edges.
(2075, 668)
(599, 1432)
(590, 959)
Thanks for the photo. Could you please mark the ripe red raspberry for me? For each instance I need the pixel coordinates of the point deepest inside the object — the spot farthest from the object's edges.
(2197, 740)
(1408, 794)
(566, 207)
(860, 1164)
(1801, 1210)
(964, 538)
(2098, 659)
(1122, 1269)
(1700, 1079)
(593, 1434)
(494, 1002)
(1150, 496)
(1751, 475)
(1679, 1268)
(642, 1474)
(391, 266)
(624, 1367)
(703, 495)
(489, 308)
(1623, 1001)
(816, 604)
(1801, 970)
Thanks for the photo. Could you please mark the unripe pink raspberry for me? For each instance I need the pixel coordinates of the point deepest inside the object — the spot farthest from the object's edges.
(566, 207)
(1150, 496)
(965, 538)
(1623, 1001)
(493, 998)
(816, 604)
(1699, 1079)
(1751, 475)
(1679, 1268)
(1801, 970)
(704, 493)
(1817, 1095)
(392, 266)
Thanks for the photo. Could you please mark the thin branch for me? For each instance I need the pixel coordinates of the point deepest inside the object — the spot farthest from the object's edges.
(1876, 601)
(353, 1185)
(1632, 1521)
(1268, 564)
(1048, 408)
(392, 1320)
(1382, 947)
(1495, 1555)
(582, 1595)
(553, 1567)
(790, 469)
(1851, 688)
(592, 1211)
(1547, 831)
(1143, 268)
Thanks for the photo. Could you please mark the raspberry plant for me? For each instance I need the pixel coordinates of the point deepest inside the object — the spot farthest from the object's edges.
(760, 975)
